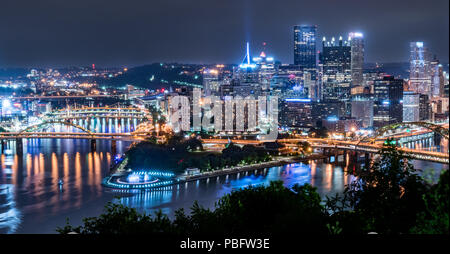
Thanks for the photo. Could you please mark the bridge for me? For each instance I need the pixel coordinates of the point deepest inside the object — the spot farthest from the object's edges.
(370, 144)
(332, 144)
(43, 97)
(71, 116)
(367, 145)
(99, 112)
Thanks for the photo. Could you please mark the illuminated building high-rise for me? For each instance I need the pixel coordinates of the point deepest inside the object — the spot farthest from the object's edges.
(211, 83)
(296, 112)
(420, 75)
(362, 109)
(335, 61)
(357, 49)
(411, 102)
(424, 108)
(305, 46)
(437, 78)
(388, 94)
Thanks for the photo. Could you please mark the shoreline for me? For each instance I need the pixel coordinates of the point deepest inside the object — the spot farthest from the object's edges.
(279, 161)
(274, 163)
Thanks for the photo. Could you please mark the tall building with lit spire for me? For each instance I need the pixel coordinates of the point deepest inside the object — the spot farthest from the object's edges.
(419, 71)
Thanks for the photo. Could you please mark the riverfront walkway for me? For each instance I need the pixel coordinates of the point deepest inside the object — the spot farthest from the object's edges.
(121, 169)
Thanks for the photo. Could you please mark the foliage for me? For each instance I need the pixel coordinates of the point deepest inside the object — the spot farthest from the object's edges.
(386, 197)
(178, 154)
(434, 219)
(305, 147)
(157, 115)
(261, 210)
(155, 76)
(319, 132)
(120, 219)
(148, 154)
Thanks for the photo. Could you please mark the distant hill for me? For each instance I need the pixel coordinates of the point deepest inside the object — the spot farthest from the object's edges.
(157, 76)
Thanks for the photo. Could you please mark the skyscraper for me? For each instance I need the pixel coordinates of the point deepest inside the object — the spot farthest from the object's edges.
(357, 45)
(424, 108)
(420, 74)
(388, 93)
(410, 106)
(336, 60)
(437, 78)
(305, 47)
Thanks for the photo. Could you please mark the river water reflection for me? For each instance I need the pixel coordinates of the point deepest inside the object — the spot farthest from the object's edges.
(31, 201)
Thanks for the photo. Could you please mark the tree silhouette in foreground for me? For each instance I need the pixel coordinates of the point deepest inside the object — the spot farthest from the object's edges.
(388, 197)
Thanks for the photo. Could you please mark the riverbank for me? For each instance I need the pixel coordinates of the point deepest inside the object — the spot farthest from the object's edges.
(279, 161)
(120, 169)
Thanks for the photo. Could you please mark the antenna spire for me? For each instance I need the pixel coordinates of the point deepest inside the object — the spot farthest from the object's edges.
(248, 53)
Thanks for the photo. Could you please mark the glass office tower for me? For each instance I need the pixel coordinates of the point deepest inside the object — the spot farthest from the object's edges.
(305, 46)
(357, 45)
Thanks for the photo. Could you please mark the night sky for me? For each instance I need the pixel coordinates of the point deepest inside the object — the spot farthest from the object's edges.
(57, 33)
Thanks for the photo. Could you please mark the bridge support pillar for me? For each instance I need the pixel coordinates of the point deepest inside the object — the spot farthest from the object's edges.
(93, 145)
(366, 159)
(3, 145)
(19, 146)
(113, 147)
(352, 157)
(437, 139)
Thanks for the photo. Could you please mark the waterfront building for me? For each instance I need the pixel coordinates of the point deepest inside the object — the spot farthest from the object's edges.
(362, 109)
(296, 112)
(340, 125)
(323, 110)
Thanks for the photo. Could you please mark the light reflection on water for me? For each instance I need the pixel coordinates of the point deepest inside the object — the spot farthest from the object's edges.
(31, 201)
(34, 177)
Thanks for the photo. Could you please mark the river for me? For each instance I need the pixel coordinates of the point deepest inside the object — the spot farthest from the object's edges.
(31, 201)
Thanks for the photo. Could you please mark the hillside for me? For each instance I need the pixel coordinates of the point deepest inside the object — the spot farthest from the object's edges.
(156, 76)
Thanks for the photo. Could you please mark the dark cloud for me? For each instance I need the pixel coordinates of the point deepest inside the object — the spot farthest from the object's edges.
(131, 32)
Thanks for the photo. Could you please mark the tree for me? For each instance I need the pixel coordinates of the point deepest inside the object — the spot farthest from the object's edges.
(321, 132)
(387, 194)
(193, 144)
(152, 140)
(262, 210)
(233, 153)
(249, 153)
(434, 219)
(120, 219)
(305, 147)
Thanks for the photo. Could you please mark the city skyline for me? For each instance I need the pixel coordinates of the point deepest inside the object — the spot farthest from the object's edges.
(56, 35)
(237, 118)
